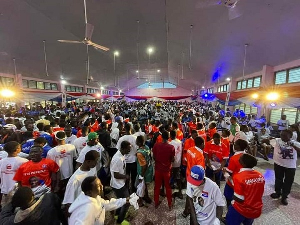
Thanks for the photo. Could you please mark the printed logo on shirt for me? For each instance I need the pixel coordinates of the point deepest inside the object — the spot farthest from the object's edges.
(286, 151)
(44, 166)
(8, 166)
(205, 194)
(63, 151)
(255, 180)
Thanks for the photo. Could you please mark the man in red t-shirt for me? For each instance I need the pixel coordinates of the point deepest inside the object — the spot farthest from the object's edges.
(46, 170)
(249, 187)
(216, 155)
(179, 134)
(234, 166)
(189, 142)
(163, 154)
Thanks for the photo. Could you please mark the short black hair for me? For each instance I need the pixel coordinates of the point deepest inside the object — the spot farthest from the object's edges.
(136, 127)
(85, 129)
(47, 128)
(22, 197)
(248, 160)
(40, 140)
(216, 135)
(60, 135)
(11, 146)
(124, 144)
(140, 139)
(199, 141)
(92, 155)
(226, 131)
(173, 134)
(194, 132)
(40, 126)
(242, 143)
(175, 125)
(288, 132)
(87, 184)
(127, 127)
(165, 135)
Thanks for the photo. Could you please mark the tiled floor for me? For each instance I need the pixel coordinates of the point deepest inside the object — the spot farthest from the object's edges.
(273, 212)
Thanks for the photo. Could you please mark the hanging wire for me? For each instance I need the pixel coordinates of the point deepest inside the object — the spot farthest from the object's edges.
(87, 65)
(167, 38)
(245, 57)
(138, 48)
(191, 42)
(45, 57)
(182, 59)
(85, 14)
(15, 66)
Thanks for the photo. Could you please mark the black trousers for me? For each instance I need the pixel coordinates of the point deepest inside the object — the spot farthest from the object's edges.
(121, 212)
(131, 170)
(284, 178)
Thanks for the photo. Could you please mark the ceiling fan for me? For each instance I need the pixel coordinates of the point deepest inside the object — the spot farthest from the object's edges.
(233, 9)
(89, 28)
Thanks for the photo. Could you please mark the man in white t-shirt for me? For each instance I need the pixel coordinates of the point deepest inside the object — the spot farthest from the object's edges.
(205, 198)
(80, 142)
(131, 166)
(177, 162)
(285, 159)
(87, 169)
(119, 177)
(63, 154)
(92, 144)
(283, 123)
(70, 137)
(8, 168)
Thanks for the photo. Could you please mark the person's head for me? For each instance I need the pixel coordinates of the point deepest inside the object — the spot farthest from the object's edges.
(283, 117)
(35, 153)
(40, 141)
(68, 130)
(125, 147)
(92, 139)
(294, 127)
(137, 127)
(212, 125)
(174, 125)
(13, 148)
(240, 145)
(40, 126)
(34, 181)
(128, 128)
(140, 140)
(248, 161)
(165, 135)
(60, 137)
(244, 128)
(23, 198)
(199, 142)
(29, 126)
(263, 131)
(233, 120)
(48, 129)
(91, 186)
(91, 159)
(216, 138)
(199, 126)
(84, 131)
(286, 135)
(104, 125)
(197, 175)
(225, 133)
(194, 134)
(173, 134)
(27, 135)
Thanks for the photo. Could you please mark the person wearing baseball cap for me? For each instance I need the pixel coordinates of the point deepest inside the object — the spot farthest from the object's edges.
(204, 197)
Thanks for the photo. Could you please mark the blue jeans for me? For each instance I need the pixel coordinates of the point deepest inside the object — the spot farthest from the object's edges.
(233, 217)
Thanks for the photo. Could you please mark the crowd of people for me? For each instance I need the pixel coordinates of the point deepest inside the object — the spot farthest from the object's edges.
(60, 165)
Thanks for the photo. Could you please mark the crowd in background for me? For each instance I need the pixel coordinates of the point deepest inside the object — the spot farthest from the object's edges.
(60, 164)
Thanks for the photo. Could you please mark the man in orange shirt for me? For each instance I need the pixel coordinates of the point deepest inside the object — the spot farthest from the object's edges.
(194, 157)
(189, 142)
(193, 124)
(212, 129)
(216, 155)
(179, 134)
(201, 131)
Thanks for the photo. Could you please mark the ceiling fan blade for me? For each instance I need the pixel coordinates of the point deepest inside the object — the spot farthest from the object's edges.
(70, 42)
(89, 28)
(234, 12)
(97, 46)
(207, 3)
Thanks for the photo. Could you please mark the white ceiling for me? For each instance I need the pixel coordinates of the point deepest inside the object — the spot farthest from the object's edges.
(271, 27)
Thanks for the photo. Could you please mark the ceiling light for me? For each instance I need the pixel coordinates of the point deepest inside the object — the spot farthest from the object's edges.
(255, 96)
(203, 87)
(228, 78)
(273, 96)
(137, 71)
(63, 81)
(158, 71)
(150, 50)
(116, 53)
(98, 95)
(273, 104)
(102, 88)
(7, 93)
